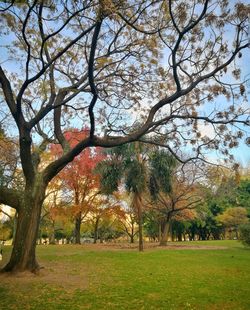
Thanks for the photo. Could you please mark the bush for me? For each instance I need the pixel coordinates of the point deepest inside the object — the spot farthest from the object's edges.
(245, 234)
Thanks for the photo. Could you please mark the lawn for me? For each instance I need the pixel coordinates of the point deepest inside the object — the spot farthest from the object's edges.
(109, 277)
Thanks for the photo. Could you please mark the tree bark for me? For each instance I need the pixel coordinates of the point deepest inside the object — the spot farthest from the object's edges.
(78, 220)
(23, 256)
(14, 227)
(164, 232)
(132, 234)
(138, 205)
(52, 239)
(179, 236)
(96, 230)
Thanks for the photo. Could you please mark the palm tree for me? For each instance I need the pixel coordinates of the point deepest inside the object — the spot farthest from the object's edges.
(126, 164)
(143, 170)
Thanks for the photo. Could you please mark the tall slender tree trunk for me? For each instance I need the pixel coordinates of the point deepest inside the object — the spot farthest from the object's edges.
(23, 256)
(78, 220)
(138, 205)
(159, 230)
(52, 239)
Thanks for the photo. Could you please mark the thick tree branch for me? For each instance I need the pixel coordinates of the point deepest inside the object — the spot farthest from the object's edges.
(57, 119)
(10, 197)
(8, 94)
(91, 77)
(28, 45)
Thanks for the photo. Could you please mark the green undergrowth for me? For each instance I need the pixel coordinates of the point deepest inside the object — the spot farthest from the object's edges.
(82, 277)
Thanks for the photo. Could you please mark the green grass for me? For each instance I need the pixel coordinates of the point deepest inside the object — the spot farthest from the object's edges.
(82, 277)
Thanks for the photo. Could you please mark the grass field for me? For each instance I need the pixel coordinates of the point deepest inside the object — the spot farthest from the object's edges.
(109, 277)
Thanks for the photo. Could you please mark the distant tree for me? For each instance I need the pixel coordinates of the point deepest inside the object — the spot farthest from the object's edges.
(181, 222)
(109, 228)
(232, 218)
(54, 219)
(245, 234)
(8, 220)
(174, 191)
(10, 174)
(6, 231)
(151, 224)
(220, 191)
(102, 216)
(243, 194)
(128, 221)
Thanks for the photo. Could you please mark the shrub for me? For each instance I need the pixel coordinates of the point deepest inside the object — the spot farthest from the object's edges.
(245, 234)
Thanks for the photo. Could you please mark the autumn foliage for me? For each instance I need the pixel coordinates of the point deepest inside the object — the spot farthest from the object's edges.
(79, 178)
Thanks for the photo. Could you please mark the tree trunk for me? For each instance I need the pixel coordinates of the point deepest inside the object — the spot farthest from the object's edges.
(159, 231)
(138, 205)
(23, 256)
(236, 233)
(14, 227)
(179, 236)
(78, 228)
(164, 233)
(132, 235)
(96, 230)
(52, 239)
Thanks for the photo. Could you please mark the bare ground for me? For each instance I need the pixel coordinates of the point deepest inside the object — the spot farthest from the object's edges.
(57, 274)
(149, 246)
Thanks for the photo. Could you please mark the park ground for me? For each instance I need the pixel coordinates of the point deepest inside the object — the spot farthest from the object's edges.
(200, 275)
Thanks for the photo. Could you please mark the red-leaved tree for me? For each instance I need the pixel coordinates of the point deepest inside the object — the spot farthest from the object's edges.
(78, 177)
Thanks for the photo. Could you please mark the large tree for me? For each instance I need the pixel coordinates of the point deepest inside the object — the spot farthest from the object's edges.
(105, 64)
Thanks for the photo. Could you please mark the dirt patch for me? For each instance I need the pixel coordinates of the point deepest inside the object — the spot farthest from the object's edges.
(58, 274)
(149, 246)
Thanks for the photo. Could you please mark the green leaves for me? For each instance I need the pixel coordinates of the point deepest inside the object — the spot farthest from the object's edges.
(153, 187)
(162, 166)
(126, 162)
(135, 178)
(111, 173)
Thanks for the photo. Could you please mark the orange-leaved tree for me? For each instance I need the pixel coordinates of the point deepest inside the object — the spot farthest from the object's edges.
(78, 178)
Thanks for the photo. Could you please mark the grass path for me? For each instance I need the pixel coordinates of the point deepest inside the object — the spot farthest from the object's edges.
(105, 277)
